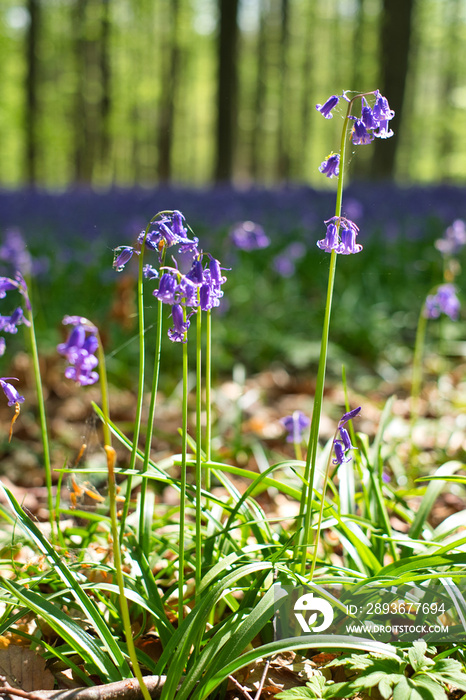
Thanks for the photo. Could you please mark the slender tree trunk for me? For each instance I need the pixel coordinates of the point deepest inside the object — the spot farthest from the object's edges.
(283, 154)
(105, 84)
(32, 91)
(170, 71)
(396, 23)
(259, 101)
(227, 89)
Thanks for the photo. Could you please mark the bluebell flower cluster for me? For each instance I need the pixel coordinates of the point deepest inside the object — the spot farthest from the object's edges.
(9, 323)
(341, 236)
(79, 350)
(343, 445)
(249, 236)
(372, 123)
(444, 301)
(454, 238)
(186, 292)
(295, 425)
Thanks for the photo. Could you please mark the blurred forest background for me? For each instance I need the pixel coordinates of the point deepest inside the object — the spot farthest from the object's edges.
(125, 92)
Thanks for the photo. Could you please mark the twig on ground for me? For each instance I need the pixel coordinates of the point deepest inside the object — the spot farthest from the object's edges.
(262, 681)
(240, 688)
(120, 690)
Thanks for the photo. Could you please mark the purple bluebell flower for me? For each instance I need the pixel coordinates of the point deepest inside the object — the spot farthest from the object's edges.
(327, 107)
(294, 425)
(331, 240)
(122, 255)
(383, 132)
(2, 346)
(359, 134)
(367, 116)
(444, 301)
(79, 350)
(284, 265)
(340, 454)
(14, 251)
(9, 324)
(382, 111)
(6, 285)
(249, 236)
(180, 327)
(149, 272)
(336, 227)
(348, 233)
(331, 165)
(343, 445)
(168, 287)
(10, 391)
(454, 238)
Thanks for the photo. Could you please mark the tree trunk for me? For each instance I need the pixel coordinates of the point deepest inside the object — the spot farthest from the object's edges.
(283, 155)
(170, 66)
(105, 84)
(32, 91)
(227, 89)
(395, 38)
(259, 101)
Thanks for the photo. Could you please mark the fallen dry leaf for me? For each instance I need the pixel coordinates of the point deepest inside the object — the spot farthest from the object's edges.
(25, 669)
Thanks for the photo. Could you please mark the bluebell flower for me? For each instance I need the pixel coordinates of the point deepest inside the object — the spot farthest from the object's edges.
(2, 346)
(331, 240)
(150, 272)
(249, 236)
(168, 287)
(382, 111)
(444, 301)
(6, 285)
(348, 233)
(9, 324)
(122, 255)
(367, 116)
(327, 107)
(180, 327)
(331, 165)
(10, 391)
(343, 445)
(79, 350)
(383, 132)
(14, 251)
(340, 454)
(295, 425)
(359, 134)
(336, 227)
(454, 238)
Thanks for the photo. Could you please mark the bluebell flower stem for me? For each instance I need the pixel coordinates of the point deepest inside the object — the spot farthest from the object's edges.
(137, 419)
(417, 365)
(198, 571)
(305, 511)
(117, 562)
(184, 449)
(208, 396)
(42, 418)
(144, 537)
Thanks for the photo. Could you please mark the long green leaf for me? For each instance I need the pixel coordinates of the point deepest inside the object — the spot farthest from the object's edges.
(431, 495)
(82, 643)
(71, 581)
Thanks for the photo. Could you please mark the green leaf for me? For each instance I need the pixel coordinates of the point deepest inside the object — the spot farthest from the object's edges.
(431, 495)
(78, 639)
(417, 656)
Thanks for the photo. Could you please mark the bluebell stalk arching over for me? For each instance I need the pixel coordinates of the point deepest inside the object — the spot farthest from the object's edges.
(343, 445)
